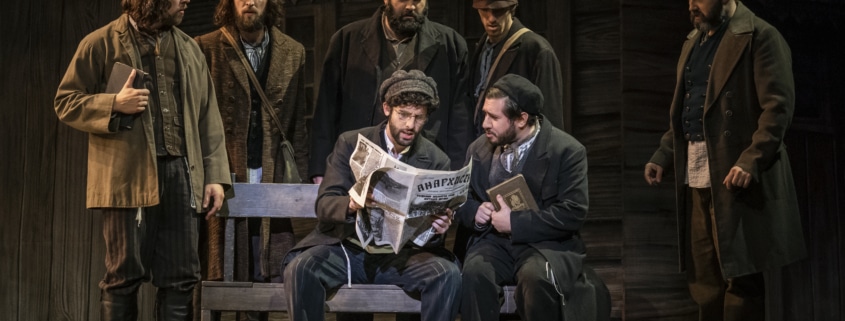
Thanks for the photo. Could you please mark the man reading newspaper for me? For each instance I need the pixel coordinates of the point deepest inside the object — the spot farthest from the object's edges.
(333, 255)
(401, 201)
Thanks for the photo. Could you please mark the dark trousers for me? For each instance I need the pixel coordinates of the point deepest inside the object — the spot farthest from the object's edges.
(739, 298)
(162, 246)
(323, 268)
(491, 263)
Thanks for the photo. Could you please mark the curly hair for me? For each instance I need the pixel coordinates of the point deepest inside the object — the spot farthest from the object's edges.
(146, 12)
(274, 13)
(414, 98)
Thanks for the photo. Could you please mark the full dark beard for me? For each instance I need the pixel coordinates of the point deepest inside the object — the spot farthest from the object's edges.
(247, 25)
(709, 20)
(508, 137)
(406, 28)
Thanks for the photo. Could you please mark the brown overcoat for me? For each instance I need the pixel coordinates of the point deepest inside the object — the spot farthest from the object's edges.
(285, 90)
(748, 108)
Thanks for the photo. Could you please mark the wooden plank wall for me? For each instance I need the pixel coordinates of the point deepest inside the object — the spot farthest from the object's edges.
(654, 288)
(622, 55)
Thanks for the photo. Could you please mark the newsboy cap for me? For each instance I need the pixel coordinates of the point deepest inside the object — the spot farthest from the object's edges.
(526, 95)
(409, 81)
(493, 4)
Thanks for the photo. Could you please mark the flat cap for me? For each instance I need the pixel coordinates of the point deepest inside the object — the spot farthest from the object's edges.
(409, 81)
(493, 4)
(526, 95)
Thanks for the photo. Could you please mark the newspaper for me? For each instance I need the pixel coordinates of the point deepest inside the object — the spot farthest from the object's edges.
(403, 198)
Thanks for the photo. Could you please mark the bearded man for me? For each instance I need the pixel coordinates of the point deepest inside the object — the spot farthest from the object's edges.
(252, 134)
(332, 255)
(149, 179)
(734, 100)
(361, 55)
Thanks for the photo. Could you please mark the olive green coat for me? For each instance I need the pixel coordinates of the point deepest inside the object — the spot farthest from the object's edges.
(122, 171)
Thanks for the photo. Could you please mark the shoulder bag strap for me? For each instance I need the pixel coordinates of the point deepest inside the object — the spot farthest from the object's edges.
(266, 102)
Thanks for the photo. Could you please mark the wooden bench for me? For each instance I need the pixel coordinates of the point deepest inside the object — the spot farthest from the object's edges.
(294, 201)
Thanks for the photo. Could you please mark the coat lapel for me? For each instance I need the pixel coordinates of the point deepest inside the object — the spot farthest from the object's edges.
(428, 47)
(734, 42)
(280, 72)
(370, 43)
(537, 162)
(235, 63)
(481, 162)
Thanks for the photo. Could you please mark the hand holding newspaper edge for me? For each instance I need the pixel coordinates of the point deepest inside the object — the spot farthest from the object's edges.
(399, 199)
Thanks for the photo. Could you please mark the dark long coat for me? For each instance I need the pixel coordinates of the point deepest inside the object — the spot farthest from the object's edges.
(532, 57)
(333, 197)
(556, 173)
(748, 108)
(351, 77)
(286, 93)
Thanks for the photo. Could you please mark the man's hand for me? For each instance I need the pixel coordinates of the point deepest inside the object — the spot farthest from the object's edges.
(130, 100)
(653, 173)
(442, 221)
(482, 215)
(213, 193)
(501, 219)
(353, 207)
(737, 178)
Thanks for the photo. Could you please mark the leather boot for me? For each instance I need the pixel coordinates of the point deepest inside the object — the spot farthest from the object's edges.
(118, 307)
(173, 305)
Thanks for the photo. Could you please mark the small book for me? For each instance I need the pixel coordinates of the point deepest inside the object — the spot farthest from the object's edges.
(119, 73)
(516, 194)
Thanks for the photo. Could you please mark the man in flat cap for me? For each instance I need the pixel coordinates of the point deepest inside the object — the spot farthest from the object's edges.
(540, 251)
(332, 256)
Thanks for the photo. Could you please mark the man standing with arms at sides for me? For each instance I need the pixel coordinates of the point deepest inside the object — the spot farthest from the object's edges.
(332, 256)
(538, 250)
(398, 36)
(252, 134)
(734, 100)
(528, 55)
(149, 181)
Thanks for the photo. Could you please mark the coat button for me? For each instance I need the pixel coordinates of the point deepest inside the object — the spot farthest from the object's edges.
(729, 113)
(687, 136)
(686, 96)
(729, 94)
(230, 120)
(231, 99)
(277, 110)
(278, 102)
(727, 133)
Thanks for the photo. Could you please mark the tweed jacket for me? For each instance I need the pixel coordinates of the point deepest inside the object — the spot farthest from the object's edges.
(333, 196)
(530, 56)
(750, 100)
(286, 91)
(122, 170)
(348, 98)
(556, 173)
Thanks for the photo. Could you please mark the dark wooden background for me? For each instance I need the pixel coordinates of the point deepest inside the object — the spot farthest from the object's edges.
(618, 57)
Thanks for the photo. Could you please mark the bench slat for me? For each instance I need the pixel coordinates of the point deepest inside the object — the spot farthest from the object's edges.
(273, 200)
(375, 298)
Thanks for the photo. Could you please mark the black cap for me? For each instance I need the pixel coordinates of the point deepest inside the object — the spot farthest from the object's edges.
(526, 95)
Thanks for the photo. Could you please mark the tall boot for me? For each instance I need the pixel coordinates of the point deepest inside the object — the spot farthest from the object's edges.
(118, 307)
(174, 305)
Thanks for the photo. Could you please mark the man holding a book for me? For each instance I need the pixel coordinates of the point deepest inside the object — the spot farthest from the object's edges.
(538, 247)
(332, 256)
